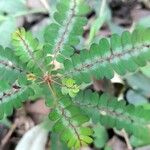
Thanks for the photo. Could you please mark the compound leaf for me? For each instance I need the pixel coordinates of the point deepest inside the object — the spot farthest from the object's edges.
(70, 124)
(113, 113)
(62, 35)
(121, 55)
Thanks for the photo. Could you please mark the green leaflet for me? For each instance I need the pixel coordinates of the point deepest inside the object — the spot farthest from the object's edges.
(29, 51)
(100, 135)
(56, 144)
(70, 124)
(12, 96)
(70, 87)
(62, 35)
(113, 113)
(11, 68)
(121, 55)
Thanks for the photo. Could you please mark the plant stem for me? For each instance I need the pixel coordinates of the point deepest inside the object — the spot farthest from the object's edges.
(53, 94)
(8, 135)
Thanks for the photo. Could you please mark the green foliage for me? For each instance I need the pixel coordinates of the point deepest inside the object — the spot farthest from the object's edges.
(11, 68)
(56, 143)
(137, 142)
(55, 72)
(103, 15)
(8, 9)
(29, 51)
(108, 148)
(121, 55)
(69, 123)
(11, 27)
(12, 96)
(135, 98)
(70, 87)
(6, 122)
(62, 35)
(113, 113)
(12, 7)
(9, 13)
(100, 135)
(139, 83)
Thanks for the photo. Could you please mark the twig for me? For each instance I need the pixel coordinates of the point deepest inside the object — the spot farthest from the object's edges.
(124, 133)
(53, 92)
(8, 135)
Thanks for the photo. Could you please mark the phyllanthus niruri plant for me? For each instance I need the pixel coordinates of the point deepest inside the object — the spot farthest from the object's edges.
(31, 70)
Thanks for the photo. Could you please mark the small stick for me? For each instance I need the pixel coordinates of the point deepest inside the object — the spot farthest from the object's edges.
(8, 135)
(124, 133)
